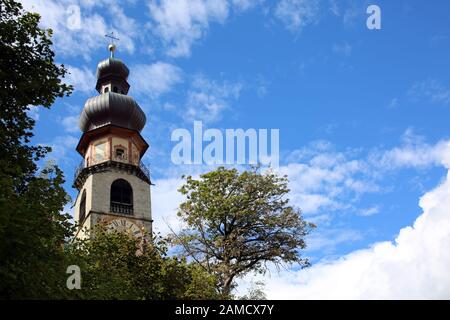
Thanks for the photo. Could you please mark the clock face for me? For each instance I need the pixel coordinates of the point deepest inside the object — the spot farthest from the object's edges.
(125, 225)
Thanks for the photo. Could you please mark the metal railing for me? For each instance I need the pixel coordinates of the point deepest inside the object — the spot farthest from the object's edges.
(83, 165)
(123, 208)
(144, 169)
(78, 170)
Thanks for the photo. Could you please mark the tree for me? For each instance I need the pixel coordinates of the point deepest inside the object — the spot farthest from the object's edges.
(32, 229)
(35, 237)
(238, 222)
(255, 291)
(116, 266)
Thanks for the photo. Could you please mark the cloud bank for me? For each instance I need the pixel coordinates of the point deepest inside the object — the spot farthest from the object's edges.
(413, 266)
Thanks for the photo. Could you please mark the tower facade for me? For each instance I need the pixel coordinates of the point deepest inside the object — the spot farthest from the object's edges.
(113, 184)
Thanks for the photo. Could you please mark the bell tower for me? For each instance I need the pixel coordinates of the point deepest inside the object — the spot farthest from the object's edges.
(113, 184)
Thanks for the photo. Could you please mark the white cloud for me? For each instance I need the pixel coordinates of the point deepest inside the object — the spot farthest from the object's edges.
(127, 28)
(181, 22)
(82, 79)
(431, 90)
(79, 27)
(369, 211)
(414, 153)
(242, 5)
(165, 201)
(207, 99)
(70, 123)
(296, 14)
(61, 147)
(155, 79)
(414, 266)
(326, 240)
(323, 179)
(70, 120)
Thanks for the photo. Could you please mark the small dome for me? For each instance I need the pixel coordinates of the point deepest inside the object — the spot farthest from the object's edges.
(112, 67)
(112, 108)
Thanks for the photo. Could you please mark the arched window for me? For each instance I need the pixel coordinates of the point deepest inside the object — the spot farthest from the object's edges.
(121, 197)
(82, 214)
(106, 89)
(115, 89)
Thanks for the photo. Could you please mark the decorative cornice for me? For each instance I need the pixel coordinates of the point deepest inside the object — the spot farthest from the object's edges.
(82, 172)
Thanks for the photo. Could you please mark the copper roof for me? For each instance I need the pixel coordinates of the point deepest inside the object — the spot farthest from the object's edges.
(112, 66)
(112, 108)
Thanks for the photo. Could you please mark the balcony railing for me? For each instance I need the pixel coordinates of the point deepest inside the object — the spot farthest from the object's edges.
(123, 208)
(144, 169)
(78, 170)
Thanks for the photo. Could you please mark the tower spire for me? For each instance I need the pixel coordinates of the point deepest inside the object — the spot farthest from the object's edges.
(113, 184)
(112, 46)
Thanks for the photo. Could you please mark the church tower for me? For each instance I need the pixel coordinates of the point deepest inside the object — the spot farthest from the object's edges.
(113, 184)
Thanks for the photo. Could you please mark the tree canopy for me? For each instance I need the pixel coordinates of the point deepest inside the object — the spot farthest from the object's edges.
(32, 228)
(116, 266)
(36, 237)
(238, 222)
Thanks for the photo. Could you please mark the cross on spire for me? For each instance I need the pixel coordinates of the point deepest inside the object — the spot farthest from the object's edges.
(111, 36)
(112, 46)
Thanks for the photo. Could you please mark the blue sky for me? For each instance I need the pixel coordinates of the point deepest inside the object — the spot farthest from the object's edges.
(362, 113)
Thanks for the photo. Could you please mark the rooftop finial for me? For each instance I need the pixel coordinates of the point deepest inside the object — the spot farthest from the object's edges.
(112, 46)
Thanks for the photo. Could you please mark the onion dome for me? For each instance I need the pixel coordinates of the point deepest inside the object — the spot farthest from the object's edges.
(112, 66)
(112, 106)
(112, 109)
(114, 70)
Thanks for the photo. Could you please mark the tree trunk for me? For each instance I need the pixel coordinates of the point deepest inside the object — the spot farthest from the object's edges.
(226, 290)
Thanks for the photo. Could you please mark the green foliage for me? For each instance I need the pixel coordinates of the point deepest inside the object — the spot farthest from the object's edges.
(237, 222)
(32, 262)
(32, 230)
(35, 247)
(28, 77)
(118, 266)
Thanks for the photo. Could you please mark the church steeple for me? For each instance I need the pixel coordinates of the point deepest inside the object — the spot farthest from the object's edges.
(113, 183)
(112, 76)
(113, 106)
(112, 73)
(112, 49)
(112, 46)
